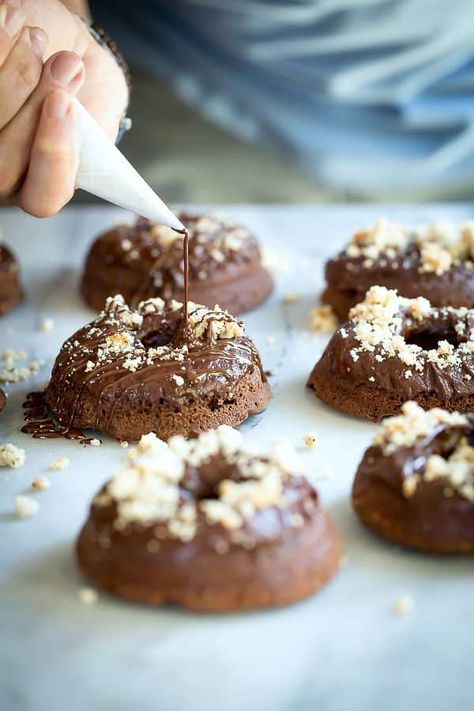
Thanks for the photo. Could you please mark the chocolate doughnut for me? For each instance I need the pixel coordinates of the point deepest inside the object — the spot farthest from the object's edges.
(133, 371)
(415, 484)
(146, 260)
(394, 349)
(433, 260)
(10, 288)
(207, 525)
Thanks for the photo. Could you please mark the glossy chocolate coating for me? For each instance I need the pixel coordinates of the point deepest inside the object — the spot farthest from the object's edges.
(224, 382)
(345, 383)
(147, 268)
(348, 279)
(429, 520)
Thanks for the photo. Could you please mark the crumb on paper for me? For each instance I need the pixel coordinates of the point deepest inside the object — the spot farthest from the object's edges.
(404, 604)
(124, 444)
(59, 464)
(95, 442)
(11, 371)
(322, 319)
(88, 596)
(25, 506)
(291, 297)
(40, 483)
(47, 325)
(11, 456)
(310, 440)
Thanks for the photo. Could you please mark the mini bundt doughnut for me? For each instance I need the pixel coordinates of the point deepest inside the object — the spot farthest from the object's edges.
(433, 260)
(10, 288)
(207, 525)
(415, 484)
(146, 260)
(394, 349)
(134, 371)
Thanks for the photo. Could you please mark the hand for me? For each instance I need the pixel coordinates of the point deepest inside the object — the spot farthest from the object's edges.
(39, 136)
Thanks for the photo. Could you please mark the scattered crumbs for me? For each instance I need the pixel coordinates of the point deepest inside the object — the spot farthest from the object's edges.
(271, 340)
(178, 380)
(310, 440)
(124, 444)
(88, 596)
(291, 297)
(11, 456)
(25, 506)
(404, 604)
(40, 483)
(372, 379)
(322, 319)
(59, 464)
(95, 442)
(47, 325)
(409, 486)
(11, 371)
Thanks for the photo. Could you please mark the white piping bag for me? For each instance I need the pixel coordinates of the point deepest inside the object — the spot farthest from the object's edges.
(104, 171)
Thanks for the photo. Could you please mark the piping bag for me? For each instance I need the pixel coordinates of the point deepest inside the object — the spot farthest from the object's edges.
(104, 171)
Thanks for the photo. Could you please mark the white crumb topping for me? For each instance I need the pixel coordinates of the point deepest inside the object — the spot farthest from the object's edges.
(322, 319)
(26, 507)
(40, 483)
(457, 469)
(46, 325)
(378, 321)
(147, 490)
(11, 456)
(413, 424)
(310, 440)
(59, 464)
(440, 244)
(94, 442)
(404, 604)
(87, 596)
(11, 371)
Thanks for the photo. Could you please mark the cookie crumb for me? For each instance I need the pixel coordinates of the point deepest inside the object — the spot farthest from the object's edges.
(11, 456)
(47, 325)
(40, 483)
(25, 506)
(322, 319)
(95, 442)
(88, 596)
(291, 297)
(404, 604)
(310, 440)
(124, 444)
(59, 464)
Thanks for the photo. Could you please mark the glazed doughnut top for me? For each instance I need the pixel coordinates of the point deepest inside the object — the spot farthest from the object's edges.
(407, 345)
(431, 248)
(146, 246)
(186, 489)
(411, 440)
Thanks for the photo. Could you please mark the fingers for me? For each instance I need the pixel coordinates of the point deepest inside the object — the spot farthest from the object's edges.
(54, 159)
(21, 71)
(12, 20)
(63, 70)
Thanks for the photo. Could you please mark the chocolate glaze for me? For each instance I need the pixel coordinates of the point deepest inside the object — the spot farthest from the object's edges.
(127, 404)
(429, 520)
(10, 288)
(348, 280)
(149, 268)
(345, 383)
(40, 423)
(266, 562)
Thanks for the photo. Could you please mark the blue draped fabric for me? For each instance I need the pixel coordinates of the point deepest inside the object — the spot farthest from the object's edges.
(370, 96)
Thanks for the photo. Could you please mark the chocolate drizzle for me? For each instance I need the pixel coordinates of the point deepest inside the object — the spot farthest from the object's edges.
(40, 423)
